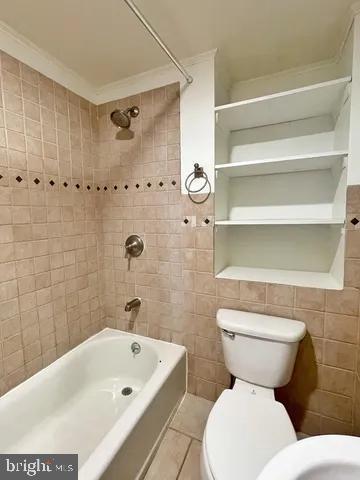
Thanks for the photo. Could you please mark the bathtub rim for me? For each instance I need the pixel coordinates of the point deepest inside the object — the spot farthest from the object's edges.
(110, 444)
(59, 361)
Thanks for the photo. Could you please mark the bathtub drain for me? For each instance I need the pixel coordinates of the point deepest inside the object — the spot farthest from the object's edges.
(126, 391)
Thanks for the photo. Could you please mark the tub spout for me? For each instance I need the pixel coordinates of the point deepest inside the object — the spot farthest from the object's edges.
(134, 303)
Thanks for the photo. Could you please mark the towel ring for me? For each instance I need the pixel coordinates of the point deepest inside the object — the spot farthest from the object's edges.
(198, 172)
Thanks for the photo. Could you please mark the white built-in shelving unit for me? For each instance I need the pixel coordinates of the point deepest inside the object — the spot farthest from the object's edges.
(306, 102)
(281, 178)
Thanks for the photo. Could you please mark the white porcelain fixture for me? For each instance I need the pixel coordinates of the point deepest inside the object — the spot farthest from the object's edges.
(335, 457)
(247, 426)
(77, 404)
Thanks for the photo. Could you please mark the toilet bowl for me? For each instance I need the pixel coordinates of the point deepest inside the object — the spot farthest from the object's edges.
(247, 426)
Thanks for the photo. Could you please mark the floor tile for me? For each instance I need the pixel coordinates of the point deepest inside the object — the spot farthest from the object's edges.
(170, 457)
(192, 415)
(191, 467)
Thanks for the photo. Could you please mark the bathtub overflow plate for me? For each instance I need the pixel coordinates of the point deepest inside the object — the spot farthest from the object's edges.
(126, 391)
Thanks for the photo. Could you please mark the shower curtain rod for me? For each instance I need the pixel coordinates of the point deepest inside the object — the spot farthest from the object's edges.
(156, 36)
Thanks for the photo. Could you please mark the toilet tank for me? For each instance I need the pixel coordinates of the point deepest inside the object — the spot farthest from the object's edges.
(259, 349)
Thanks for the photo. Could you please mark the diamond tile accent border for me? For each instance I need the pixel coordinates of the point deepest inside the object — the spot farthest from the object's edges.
(115, 187)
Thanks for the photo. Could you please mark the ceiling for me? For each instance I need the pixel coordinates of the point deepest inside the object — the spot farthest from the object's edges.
(103, 41)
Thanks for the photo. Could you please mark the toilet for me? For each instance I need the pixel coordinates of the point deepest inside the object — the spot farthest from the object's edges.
(247, 426)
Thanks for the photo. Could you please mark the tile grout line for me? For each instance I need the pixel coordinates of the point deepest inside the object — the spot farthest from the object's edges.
(185, 434)
(185, 457)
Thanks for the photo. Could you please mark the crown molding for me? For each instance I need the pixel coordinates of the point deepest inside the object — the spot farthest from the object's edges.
(353, 10)
(18, 46)
(150, 79)
(303, 69)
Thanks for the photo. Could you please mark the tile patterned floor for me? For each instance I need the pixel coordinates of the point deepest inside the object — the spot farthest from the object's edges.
(178, 456)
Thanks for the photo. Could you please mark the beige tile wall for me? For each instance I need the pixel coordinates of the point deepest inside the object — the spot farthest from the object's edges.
(62, 262)
(321, 396)
(49, 288)
(175, 278)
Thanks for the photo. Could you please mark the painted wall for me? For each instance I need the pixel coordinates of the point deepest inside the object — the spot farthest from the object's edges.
(287, 80)
(354, 158)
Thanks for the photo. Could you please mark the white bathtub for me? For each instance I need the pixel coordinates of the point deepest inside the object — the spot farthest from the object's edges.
(76, 405)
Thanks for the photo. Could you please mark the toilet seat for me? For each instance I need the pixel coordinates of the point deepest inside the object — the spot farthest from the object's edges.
(243, 433)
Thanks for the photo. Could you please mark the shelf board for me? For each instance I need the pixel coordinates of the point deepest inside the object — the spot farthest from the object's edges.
(286, 277)
(295, 163)
(281, 221)
(310, 101)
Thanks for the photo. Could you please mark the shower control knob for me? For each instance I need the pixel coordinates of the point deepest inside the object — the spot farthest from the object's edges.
(134, 246)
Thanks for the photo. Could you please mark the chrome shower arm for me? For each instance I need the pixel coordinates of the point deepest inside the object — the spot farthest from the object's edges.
(158, 39)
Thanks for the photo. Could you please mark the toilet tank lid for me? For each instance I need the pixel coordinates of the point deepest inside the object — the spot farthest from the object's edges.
(259, 325)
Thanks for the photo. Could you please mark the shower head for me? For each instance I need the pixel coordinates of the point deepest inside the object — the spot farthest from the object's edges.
(121, 118)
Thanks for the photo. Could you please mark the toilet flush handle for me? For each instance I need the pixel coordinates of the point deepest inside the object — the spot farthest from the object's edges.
(228, 334)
